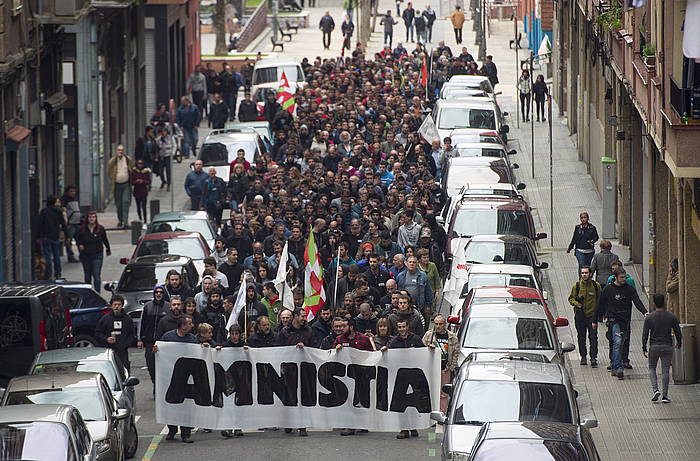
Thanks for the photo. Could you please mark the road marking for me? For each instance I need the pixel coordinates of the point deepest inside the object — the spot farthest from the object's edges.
(152, 447)
(431, 451)
(136, 418)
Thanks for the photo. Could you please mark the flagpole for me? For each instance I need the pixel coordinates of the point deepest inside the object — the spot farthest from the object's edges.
(335, 287)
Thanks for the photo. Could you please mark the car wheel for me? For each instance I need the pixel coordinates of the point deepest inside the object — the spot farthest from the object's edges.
(131, 441)
(85, 341)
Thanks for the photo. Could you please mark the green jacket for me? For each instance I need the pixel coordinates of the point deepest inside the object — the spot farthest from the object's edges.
(433, 276)
(273, 308)
(590, 292)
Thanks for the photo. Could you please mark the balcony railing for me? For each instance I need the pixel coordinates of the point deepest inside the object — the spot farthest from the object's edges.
(685, 101)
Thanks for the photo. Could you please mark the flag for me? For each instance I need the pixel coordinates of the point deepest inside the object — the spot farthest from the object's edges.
(285, 97)
(314, 294)
(281, 284)
(239, 305)
(424, 74)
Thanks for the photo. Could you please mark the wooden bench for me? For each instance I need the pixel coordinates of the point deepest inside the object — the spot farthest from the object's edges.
(291, 27)
(286, 34)
(275, 44)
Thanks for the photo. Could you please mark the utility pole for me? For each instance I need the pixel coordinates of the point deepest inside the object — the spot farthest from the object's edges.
(517, 63)
(551, 174)
(275, 20)
(532, 123)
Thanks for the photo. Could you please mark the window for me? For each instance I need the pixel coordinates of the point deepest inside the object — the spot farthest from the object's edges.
(105, 368)
(15, 323)
(142, 278)
(186, 225)
(83, 435)
(189, 247)
(83, 398)
(497, 252)
(54, 317)
(508, 333)
(214, 154)
(40, 440)
(468, 223)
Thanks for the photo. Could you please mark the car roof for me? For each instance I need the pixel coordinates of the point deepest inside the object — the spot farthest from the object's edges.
(534, 430)
(53, 380)
(180, 215)
(170, 236)
(514, 370)
(516, 269)
(480, 145)
(467, 103)
(474, 161)
(490, 201)
(508, 238)
(505, 310)
(72, 354)
(160, 260)
(232, 137)
(512, 291)
(34, 412)
(473, 131)
(21, 290)
(276, 62)
(467, 78)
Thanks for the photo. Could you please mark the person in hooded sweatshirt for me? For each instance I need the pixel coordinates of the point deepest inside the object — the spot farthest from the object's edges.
(409, 231)
(215, 314)
(116, 331)
(202, 298)
(153, 311)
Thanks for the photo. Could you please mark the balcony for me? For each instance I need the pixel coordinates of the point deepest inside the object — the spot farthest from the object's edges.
(62, 11)
(685, 101)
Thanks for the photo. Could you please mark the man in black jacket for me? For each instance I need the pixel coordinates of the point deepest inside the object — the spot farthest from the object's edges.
(264, 337)
(229, 87)
(615, 307)
(176, 287)
(232, 269)
(218, 113)
(247, 110)
(408, 16)
(116, 331)
(327, 24)
(49, 227)
(153, 311)
(321, 326)
(169, 321)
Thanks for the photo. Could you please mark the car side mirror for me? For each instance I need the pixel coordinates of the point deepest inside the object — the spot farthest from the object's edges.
(438, 416)
(520, 186)
(131, 381)
(561, 322)
(453, 319)
(505, 129)
(123, 260)
(440, 220)
(545, 295)
(544, 265)
(121, 413)
(541, 236)
(567, 347)
(447, 389)
(109, 286)
(512, 152)
(505, 114)
(192, 166)
(589, 423)
(515, 166)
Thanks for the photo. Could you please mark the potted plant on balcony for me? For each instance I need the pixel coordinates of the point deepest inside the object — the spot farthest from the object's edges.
(649, 54)
(612, 18)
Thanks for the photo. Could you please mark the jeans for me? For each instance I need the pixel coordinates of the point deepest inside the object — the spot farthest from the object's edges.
(409, 31)
(92, 268)
(458, 36)
(230, 101)
(52, 253)
(539, 104)
(124, 357)
(525, 105)
(141, 208)
(430, 34)
(584, 259)
(617, 334)
(665, 353)
(191, 139)
(194, 202)
(326, 39)
(584, 327)
(122, 200)
(388, 38)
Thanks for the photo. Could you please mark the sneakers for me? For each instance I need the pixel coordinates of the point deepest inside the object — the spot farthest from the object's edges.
(583, 361)
(665, 399)
(594, 363)
(627, 366)
(613, 372)
(187, 440)
(402, 435)
(609, 368)
(414, 432)
(348, 432)
(170, 436)
(238, 432)
(303, 433)
(227, 434)
(287, 430)
(620, 375)
(655, 397)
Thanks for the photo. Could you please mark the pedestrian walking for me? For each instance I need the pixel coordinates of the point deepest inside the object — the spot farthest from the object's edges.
(525, 91)
(626, 338)
(197, 86)
(490, 70)
(71, 205)
(141, 183)
(218, 112)
(92, 242)
(447, 342)
(116, 331)
(119, 168)
(188, 117)
(389, 22)
(408, 15)
(601, 264)
(584, 298)
(541, 92)
(421, 28)
(49, 227)
(247, 74)
(347, 28)
(457, 18)
(230, 83)
(430, 17)
(327, 24)
(213, 86)
(152, 313)
(166, 147)
(657, 332)
(583, 241)
(194, 184)
(615, 308)
(247, 109)
(349, 6)
(147, 148)
(161, 116)
(672, 286)
(213, 192)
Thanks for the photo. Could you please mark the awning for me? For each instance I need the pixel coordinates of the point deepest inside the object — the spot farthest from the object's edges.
(18, 133)
(57, 100)
(691, 30)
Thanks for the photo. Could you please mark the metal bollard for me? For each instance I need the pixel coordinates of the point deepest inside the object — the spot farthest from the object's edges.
(155, 207)
(135, 232)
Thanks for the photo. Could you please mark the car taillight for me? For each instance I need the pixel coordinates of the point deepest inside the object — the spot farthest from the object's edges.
(43, 342)
(69, 328)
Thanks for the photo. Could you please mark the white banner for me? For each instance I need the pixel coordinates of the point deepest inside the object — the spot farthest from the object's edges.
(428, 129)
(289, 387)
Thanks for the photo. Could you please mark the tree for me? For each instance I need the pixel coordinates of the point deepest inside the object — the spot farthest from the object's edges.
(219, 20)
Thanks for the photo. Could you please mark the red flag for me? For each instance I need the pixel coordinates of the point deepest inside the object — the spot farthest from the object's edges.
(424, 74)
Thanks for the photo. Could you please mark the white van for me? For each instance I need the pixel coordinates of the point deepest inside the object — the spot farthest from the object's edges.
(270, 70)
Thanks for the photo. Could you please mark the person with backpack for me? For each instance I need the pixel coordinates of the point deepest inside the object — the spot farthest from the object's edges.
(584, 298)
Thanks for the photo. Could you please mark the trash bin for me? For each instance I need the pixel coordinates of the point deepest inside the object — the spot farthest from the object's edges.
(683, 363)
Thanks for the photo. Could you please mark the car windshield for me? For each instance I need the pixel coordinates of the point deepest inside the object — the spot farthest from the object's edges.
(460, 175)
(507, 333)
(189, 247)
(261, 94)
(497, 252)
(86, 399)
(142, 278)
(214, 154)
(471, 222)
(460, 117)
(529, 450)
(487, 300)
(498, 280)
(102, 367)
(511, 401)
(184, 225)
(465, 138)
(480, 152)
(274, 74)
(39, 440)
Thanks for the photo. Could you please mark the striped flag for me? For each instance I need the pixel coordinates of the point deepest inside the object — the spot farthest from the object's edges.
(285, 97)
(314, 294)
(281, 284)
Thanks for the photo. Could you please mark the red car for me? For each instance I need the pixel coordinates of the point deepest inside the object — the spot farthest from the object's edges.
(509, 294)
(190, 244)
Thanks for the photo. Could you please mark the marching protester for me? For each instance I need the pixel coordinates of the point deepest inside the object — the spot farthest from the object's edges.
(141, 183)
(448, 343)
(657, 331)
(584, 298)
(116, 331)
(152, 313)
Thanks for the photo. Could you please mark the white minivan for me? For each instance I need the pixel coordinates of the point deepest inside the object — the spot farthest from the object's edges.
(469, 113)
(270, 70)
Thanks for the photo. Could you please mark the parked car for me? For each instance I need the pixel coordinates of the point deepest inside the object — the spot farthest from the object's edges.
(262, 127)
(541, 441)
(500, 295)
(501, 190)
(33, 318)
(189, 244)
(516, 390)
(220, 148)
(89, 393)
(145, 272)
(460, 135)
(516, 327)
(469, 113)
(45, 432)
(485, 149)
(461, 171)
(184, 221)
(86, 309)
(502, 249)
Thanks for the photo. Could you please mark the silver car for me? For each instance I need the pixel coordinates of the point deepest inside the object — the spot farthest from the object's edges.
(513, 327)
(89, 393)
(515, 390)
(45, 432)
(184, 221)
(96, 360)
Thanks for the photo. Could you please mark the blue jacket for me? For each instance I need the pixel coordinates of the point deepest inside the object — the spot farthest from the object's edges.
(194, 183)
(188, 117)
(417, 286)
